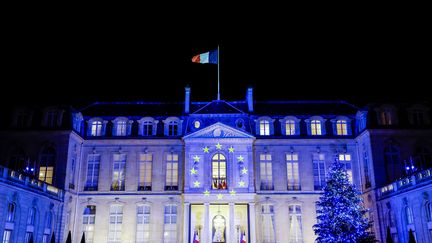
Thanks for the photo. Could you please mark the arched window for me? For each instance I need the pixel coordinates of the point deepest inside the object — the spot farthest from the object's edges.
(290, 127)
(267, 224)
(423, 157)
(10, 217)
(219, 171)
(31, 217)
(96, 128)
(47, 163)
(341, 127)
(408, 215)
(172, 126)
(122, 126)
(264, 128)
(147, 126)
(89, 217)
(315, 127)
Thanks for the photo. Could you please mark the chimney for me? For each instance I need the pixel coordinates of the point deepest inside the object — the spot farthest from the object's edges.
(187, 99)
(249, 99)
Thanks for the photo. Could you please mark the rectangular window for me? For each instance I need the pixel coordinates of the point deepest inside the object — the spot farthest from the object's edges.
(115, 224)
(267, 224)
(96, 128)
(89, 218)
(386, 118)
(92, 179)
(293, 171)
(290, 127)
(145, 172)
(170, 224)
(172, 128)
(147, 128)
(266, 174)
(51, 118)
(171, 179)
(295, 228)
(341, 127)
(264, 128)
(319, 171)
(345, 159)
(7, 235)
(28, 235)
(45, 238)
(118, 177)
(46, 174)
(366, 168)
(143, 224)
(121, 128)
(315, 127)
(11, 213)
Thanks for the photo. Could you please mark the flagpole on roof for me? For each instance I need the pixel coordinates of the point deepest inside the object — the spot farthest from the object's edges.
(218, 94)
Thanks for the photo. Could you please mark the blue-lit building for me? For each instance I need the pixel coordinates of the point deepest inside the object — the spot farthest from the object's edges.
(217, 171)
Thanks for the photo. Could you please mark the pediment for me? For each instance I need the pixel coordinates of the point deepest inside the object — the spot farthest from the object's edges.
(219, 130)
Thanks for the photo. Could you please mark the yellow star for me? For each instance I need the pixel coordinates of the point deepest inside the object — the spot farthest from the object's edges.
(231, 149)
(218, 146)
(197, 184)
(219, 196)
(193, 171)
(196, 158)
(240, 159)
(206, 193)
(232, 192)
(244, 171)
(206, 149)
(242, 184)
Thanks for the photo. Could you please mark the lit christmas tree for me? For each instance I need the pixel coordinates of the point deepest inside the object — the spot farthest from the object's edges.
(341, 214)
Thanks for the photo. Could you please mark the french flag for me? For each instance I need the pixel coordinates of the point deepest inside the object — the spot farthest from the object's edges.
(207, 57)
(243, 238)
(195, 238)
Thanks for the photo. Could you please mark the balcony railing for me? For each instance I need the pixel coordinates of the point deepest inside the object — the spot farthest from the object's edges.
(23, 180)
(406, 182)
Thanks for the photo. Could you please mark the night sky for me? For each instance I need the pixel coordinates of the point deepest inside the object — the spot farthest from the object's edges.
(358, 61)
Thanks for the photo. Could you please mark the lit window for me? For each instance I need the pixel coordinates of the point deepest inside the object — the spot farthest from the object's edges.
(118, 176)
(170, 224)
(115, 224)
(264, 128)
(341, 127)
(266, 174)
(143, 224)
(96, 128)
(290, 127)
(385, 118)
(267, 224)
(121, 128)
(295, 219)
(219, 171)
(145, 172)
(93, 163)
(7, 235)
(89, 217)
(171, 179)
(315, 127)
(46, 169)
(197, 124)
(293, 171)
(345, 160)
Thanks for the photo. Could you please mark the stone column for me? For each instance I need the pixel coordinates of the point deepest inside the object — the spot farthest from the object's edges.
(252, 223)
(206, 233)
(231, 232)
(186, 222)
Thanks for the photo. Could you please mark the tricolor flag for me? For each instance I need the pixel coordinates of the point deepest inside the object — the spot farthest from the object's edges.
(207, 57)
(195, 238)
(243, 237)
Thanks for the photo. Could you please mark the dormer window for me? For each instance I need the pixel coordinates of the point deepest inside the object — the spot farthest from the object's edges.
(316, 126)
(264, 126)
(290, 126)
(418, 115)
(122, 126)
(96, 127)
(22, 119)
(172, 126)
(386, 115)
(77, 121)
(52, 118)
(341, 126)
(147, 126)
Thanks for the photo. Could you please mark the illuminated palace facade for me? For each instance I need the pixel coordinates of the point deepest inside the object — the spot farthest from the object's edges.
(216, 171)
